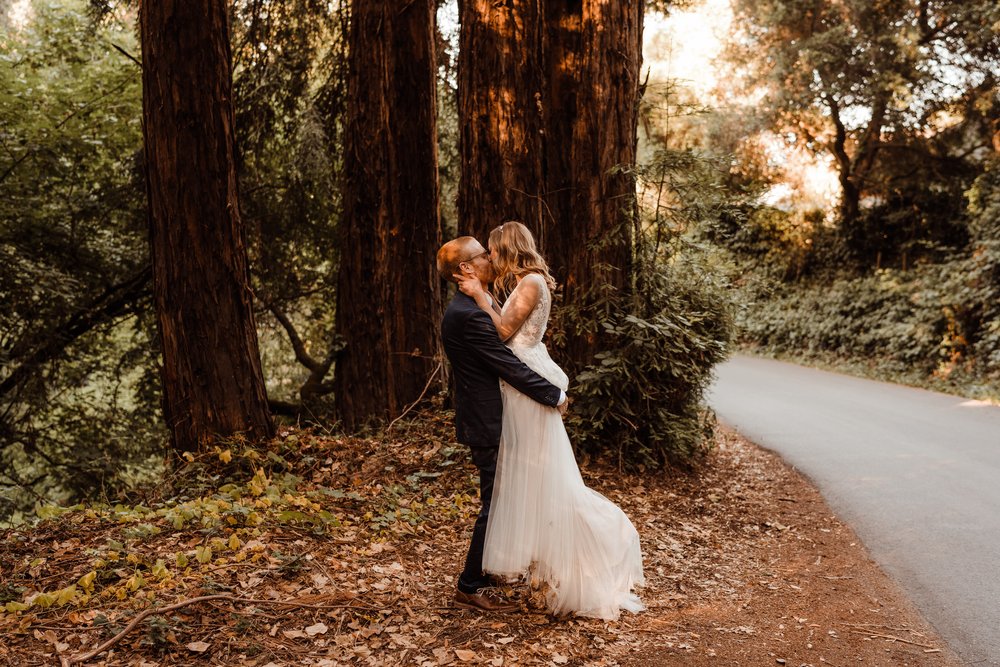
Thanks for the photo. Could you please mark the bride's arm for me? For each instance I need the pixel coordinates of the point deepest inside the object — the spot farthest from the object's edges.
(519, 305)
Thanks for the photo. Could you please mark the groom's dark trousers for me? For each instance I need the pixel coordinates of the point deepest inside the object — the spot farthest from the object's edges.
(479, 361)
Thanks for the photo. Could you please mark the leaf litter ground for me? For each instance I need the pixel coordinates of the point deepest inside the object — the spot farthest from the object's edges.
(332, 550)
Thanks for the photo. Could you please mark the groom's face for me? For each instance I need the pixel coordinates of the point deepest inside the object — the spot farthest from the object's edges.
(479, 264)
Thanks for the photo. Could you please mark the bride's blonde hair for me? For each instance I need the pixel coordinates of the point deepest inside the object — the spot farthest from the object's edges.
(517, 256)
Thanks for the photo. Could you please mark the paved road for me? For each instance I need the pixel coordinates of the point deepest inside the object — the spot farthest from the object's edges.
(915, 473)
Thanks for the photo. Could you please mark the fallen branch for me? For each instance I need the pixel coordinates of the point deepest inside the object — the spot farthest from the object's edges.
(419, 398)
(74, 659)
(871, 627)
(876, 635)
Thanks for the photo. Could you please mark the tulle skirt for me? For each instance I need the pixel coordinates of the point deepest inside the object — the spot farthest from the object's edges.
(544, 522)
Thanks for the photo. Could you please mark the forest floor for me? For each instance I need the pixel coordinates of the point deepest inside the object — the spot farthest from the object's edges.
(328, 550)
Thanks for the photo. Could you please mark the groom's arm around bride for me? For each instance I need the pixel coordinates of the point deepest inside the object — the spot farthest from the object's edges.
(479, 360)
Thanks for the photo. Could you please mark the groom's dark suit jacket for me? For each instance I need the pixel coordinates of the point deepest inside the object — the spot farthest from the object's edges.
(478, 359)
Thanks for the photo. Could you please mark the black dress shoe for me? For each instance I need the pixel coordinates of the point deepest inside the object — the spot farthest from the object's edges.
(485, 599)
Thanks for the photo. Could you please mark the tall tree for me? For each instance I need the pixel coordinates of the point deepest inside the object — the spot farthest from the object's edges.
(388, 294)
(500, 100)
(592, 58)
(212, 380)
(549, 94)
(852, 78)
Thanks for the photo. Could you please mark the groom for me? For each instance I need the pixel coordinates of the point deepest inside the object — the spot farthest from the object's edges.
(479, 361)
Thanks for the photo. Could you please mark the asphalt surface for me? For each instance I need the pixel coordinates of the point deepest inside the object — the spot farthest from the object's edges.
(915, 473)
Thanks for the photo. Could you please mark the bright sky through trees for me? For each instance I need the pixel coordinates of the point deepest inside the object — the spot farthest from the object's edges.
(19, 14)
(685, 47)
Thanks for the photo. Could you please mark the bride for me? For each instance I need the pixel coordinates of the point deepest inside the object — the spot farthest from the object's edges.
(544, 520)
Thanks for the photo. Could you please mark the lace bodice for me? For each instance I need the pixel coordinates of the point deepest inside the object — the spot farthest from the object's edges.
(533, 327)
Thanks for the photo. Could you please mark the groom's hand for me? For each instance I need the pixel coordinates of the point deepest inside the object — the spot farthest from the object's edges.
(563, 407)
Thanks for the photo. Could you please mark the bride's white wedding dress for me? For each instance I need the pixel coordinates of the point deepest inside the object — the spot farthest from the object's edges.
(543, 519)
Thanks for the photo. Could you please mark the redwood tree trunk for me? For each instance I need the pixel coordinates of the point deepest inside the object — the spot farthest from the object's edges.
(593, 59)
(500, 97)
(548, 105)
(212, 380)
(388, 294)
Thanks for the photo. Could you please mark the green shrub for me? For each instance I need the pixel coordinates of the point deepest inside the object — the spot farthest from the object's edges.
(641, 397)
(936, 323)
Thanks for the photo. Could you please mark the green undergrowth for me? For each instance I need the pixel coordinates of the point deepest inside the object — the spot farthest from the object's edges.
(881, 369)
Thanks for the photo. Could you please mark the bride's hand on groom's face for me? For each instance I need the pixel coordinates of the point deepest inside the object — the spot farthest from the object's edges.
(469, 285)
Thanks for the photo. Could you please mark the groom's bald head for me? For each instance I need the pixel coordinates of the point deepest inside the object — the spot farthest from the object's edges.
(454, 252)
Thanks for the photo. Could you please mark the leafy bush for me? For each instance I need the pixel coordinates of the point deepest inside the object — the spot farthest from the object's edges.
(888, 315)
(641, 398)
(979, 282)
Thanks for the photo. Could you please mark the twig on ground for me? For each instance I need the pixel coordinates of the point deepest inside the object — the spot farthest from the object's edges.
(878, 635)
(419, 398)
(875, 626)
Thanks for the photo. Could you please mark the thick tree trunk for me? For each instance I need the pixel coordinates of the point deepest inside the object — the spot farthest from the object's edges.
(212, 380)
(548, 105)
(593, 57)
(500, 92)
(388, 294)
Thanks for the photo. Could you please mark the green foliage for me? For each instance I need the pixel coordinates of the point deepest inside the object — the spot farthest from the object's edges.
(642, 396)
(887, 315)
(775, 243)
(77, 403)
(936, 324)
(897, 95)
(919, 326)
(979, 283)
(79, 384)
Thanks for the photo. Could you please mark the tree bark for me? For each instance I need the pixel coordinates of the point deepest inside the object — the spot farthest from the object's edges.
(500, 93)
(212, 379)
(853, 172)
(593, 56)
(388, 294)
(548, 105)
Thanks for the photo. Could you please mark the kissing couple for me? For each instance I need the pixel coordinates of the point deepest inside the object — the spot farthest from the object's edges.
(538, 519)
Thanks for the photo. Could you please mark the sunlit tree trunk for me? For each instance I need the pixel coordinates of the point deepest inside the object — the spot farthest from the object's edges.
(548, 105)
(212, 380)
(388, 294)
(592, 59)
(500, 93)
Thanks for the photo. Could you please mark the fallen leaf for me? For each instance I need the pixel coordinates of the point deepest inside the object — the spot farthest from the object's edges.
(443, 656)
(317, 629)
(465, 655)
(197, 647)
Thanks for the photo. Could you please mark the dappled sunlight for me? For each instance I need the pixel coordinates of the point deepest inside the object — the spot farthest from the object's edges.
(807, 181)
(20, 13)
(682, 51)
(977, 404)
